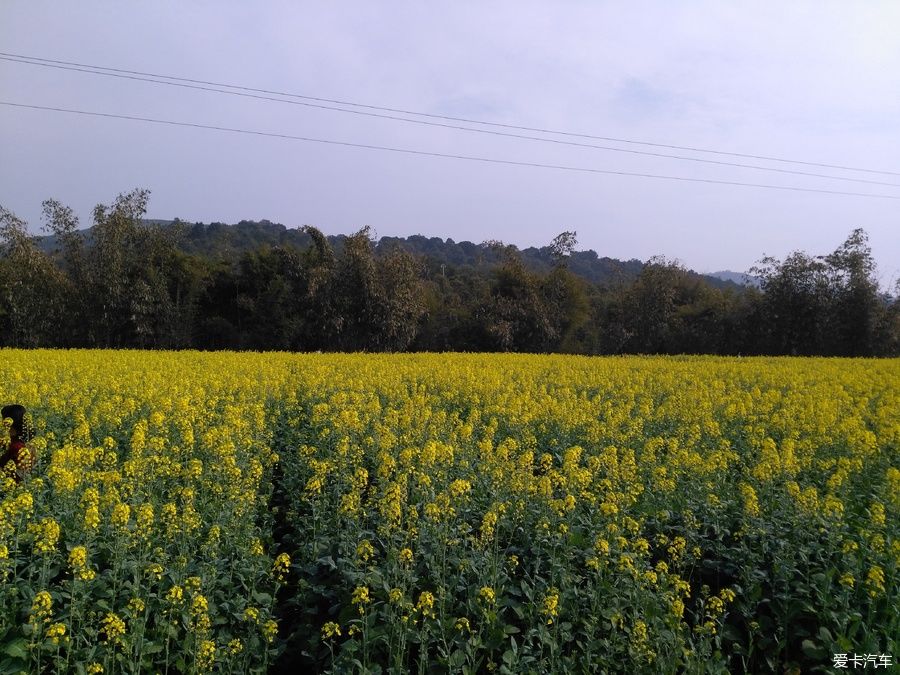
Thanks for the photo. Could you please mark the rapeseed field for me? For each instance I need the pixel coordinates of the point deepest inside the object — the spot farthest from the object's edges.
(195, 512)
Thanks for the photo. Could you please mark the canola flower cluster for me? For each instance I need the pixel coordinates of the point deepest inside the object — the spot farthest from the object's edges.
(135, 543)
(462, 513)
(514, 513)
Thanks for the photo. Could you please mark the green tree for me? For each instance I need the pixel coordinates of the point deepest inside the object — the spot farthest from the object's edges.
(562, 246)
(826, 305)
(856, 308)
(796, 304)
(31, 300)
(650, 306)
(564, 297)
(355, 286)
(398, 303)
(516, 314)
(887, 331)
(123, 275)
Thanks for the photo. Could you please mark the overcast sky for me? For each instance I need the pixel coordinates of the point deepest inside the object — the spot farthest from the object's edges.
(809, 81)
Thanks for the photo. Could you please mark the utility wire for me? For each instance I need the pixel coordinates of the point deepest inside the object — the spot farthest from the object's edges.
(34, 59)
(451, 126)
(424, 153)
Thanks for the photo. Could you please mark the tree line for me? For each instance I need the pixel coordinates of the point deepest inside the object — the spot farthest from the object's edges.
(126, 282)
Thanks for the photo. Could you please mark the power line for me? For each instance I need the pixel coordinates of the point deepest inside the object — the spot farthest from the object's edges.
(451, 126)
(32, 59)
(425, 153)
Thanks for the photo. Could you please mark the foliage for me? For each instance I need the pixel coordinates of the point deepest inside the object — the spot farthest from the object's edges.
(130, 282)
(139, 542)
(557, 514)
(193, 512)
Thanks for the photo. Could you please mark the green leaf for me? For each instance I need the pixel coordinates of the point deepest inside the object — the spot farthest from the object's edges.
(327, 561)
(457, 659)
(12, 667)
(812, 650)
(262, 599)
(17, 649)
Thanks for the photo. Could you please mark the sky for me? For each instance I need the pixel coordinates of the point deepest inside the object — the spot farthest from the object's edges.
(815, 82)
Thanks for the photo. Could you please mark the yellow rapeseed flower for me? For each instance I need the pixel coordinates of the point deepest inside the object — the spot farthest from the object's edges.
(361, 598)
(330, 630)
(281, 566)
(365, 551)
(487, 595)
(206, 656)
(875, 581)
(270, 630)
(113, 628)
(425, 605)
(550, 605)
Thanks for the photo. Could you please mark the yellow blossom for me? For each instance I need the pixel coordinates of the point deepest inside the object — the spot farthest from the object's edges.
(270, 630)
(56, 633)
(281, 566)
(206, 656)
(550, 605)
(487, 595)
(425, 605)
(875, 581)
(365, 551)
(330, 630)
(361, 598)
(175, 595)
(113, 628)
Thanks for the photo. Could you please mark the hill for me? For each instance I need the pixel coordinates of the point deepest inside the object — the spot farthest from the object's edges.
(739, 278)
(228, 242)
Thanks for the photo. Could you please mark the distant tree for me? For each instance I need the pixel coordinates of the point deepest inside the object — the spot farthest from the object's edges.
(315, 297)
(187, 277)
(795, 305)
(703, 323)
(453, 303)
(565, 303)
(887, 331)
(120, 291)
(826, 305)
(131, 282)
(516, 315)
(32, 287)
(650, 307)
(398, 303)
(356, 289)
(266, 297)
(562, 246)
(219, 323)
(856, 307)
(70, 254)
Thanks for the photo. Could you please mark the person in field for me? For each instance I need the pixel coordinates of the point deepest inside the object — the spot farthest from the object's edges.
(16, 452)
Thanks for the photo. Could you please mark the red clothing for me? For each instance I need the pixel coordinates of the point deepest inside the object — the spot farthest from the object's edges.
(14, 454)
